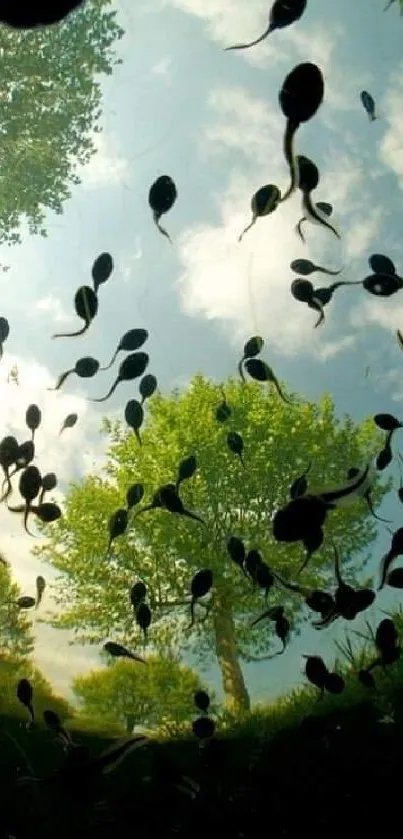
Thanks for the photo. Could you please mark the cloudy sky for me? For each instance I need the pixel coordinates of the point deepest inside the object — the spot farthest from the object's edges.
(179, 105)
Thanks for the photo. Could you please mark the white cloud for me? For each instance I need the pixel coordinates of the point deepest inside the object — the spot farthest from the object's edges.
(162, 68)
(52, 306)
(247, 285)
(107, 166)
(391, 147)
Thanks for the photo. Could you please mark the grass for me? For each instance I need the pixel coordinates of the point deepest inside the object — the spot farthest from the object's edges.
(298, 765)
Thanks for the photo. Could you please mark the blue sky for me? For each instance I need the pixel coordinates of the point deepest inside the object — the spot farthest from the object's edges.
(180, 105)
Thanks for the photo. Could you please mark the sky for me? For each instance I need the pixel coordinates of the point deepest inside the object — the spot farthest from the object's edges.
(178, 104)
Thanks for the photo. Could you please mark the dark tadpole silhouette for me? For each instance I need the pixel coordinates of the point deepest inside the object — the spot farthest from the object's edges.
(143, 618)
(138, 593)
(33, 418)
(300, 485)
(85, 368)
(86, 306)
(186, 470)
(9, 450)
(134, 495)
(308, 180)
(25, 694)
(235, 445)
(200, 586)
(201, 700)
(317, 298)
(129, 342)
(223, 411)
(369, 105)
(132, 367)
(101, 270)
(261, 372)
(117, 526)
(321, 207)
(305, 267)
(69, 422)
(134, 416)
(252, 347)
(395, 550)
(118, 651)
(264, 202)
(22, 15)
(283, 13)
(381, 264)
(236, 550)
(49, 482)
(382, 285)
(29, 486)
(161, 198)
(147, 387)
(4, 333)
(169, 499)
(300, 97)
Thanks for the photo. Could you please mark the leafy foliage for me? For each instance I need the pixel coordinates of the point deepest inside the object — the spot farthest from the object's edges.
(165, 550)
(49, 111)
(15, 626)
(159, 694)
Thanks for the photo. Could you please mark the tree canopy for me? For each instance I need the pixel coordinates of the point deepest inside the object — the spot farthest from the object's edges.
(165, 550)
(157, 694)
(49, 111)
(16, 635)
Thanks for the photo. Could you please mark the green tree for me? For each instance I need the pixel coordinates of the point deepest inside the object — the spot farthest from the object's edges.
(165, 550)
(49, 111)
(159, 694)
(16, 635)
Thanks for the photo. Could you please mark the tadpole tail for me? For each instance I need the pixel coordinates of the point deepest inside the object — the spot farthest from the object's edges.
(247, 228)
(62, 378)
(326, 621)
(27, 511)
(291, 586)
(288, 149)
(137, 433)
(9, 489)
(242, 460)
(72, 334)
(108, 366)
(312, 213)
(298, 228)
(280, 391)
(193, 516)
(321, 270)
(399, 338)
(112, 390)
(143, 510)
(161, 229)
(386, 562)
(317, 306)
(372, 511)
(260, 618)
(19, 509)
(252, 43)
(240, 369)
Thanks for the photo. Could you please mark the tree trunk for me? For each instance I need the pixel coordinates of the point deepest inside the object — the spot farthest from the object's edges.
(235, 690)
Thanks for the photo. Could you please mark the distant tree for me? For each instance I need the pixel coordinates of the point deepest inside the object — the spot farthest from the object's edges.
(159, 694)
(165, 550)
(16, 638)
(50, 105)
